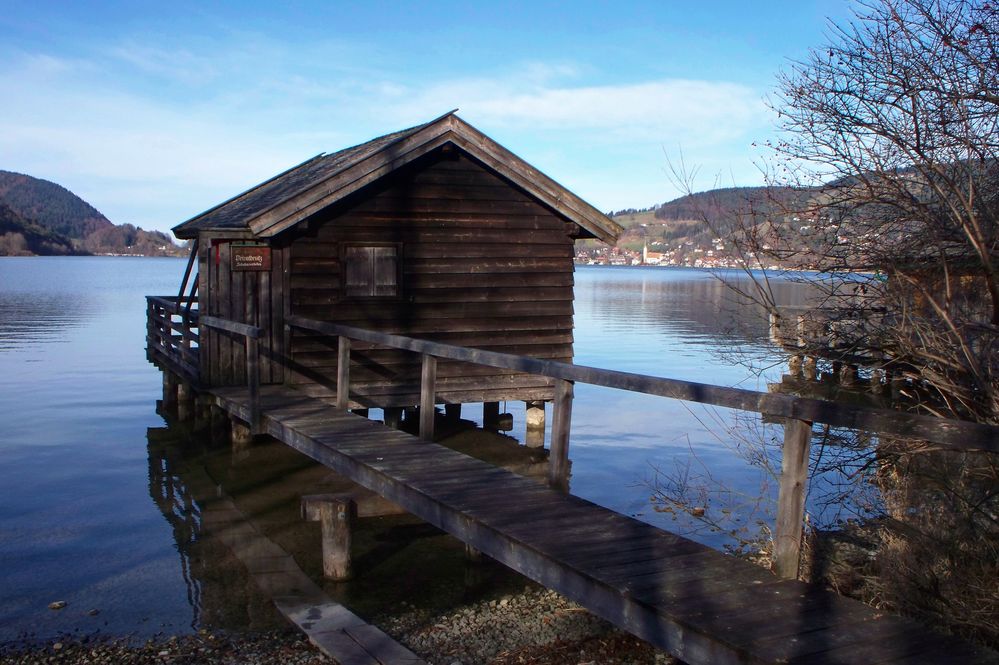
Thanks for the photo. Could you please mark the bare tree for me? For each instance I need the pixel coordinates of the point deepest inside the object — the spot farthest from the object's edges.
(893, 131)
(888, 163)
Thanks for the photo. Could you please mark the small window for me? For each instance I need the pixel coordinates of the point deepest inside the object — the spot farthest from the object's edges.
(371, 271)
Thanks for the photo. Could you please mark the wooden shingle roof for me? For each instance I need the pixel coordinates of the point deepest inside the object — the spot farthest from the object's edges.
(294, 195)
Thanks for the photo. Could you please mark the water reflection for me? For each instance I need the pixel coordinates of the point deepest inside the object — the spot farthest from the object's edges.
(39, 317)
(226, 510)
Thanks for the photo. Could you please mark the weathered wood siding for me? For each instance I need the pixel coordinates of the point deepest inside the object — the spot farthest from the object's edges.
(482, 265)
(223, 293)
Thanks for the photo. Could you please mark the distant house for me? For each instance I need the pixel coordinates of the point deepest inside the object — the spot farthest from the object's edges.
(435, 231)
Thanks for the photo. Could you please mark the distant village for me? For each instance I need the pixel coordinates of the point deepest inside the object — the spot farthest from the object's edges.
(687, 254)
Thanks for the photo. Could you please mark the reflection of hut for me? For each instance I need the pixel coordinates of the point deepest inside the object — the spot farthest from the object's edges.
(434, 232)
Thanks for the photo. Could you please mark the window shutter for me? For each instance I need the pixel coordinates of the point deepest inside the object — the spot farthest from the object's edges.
(371, 271)
(385, 270)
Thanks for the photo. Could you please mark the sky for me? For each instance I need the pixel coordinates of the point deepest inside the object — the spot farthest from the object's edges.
(154, 112)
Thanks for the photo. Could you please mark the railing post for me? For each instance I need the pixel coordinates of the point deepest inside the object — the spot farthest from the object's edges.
(253, 358)
(558, 457)
(791, 500)
(253, 382)
(343, 373)
(428, 393)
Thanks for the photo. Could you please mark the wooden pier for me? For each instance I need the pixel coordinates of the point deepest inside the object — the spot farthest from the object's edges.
(694, 602)
(432, 266)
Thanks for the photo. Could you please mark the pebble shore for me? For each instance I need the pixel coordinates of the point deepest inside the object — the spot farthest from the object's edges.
(534, 627)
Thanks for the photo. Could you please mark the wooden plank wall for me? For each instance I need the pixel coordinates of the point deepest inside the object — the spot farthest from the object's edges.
(223, 294)
(483, 265)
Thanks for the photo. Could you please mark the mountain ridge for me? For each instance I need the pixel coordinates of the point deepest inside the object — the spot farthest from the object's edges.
(40, 217)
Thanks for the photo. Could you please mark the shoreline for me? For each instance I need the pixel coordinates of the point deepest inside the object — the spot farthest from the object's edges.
(532, 627)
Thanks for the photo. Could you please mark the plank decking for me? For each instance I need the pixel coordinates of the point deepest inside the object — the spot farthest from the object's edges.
(696, 603)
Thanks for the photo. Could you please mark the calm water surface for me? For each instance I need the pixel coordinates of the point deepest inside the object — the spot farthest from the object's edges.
(77, 402)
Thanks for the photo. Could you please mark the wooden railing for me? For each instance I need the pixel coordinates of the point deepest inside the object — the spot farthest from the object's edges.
(798, 414)
(172, 333)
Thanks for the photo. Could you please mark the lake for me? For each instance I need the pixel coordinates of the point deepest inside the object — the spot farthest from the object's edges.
(78, 518)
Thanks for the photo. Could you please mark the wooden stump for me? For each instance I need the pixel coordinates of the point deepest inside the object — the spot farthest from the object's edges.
(337, 518)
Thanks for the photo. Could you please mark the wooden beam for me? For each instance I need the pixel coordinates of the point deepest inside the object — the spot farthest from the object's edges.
(187, 271)
(231, 326)
(791, 500)
(428, 390)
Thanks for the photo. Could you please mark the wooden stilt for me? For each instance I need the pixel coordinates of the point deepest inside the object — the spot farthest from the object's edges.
(169, 391)
(452, 412)
(220, 423)
(490, 415)
(202, 412)
(791, 500)
(472, 554)
(337, 517)
(185, 402)
(535, 421)
(361, 412)
(393, 416)
(808, 368)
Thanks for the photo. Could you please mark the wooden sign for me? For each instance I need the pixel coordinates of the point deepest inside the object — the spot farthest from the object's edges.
(250, 258)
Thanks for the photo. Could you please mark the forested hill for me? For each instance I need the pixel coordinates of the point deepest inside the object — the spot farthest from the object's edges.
(50, 205)
(20, 237)
(41, 217)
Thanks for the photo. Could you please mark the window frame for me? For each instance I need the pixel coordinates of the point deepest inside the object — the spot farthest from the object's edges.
(345, 248)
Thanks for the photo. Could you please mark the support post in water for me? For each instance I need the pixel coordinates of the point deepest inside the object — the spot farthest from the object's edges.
(558, 459)
(343, 372)
(490, 415)
(393, 416)
(185, 401)
(169, 390)
(337, 518)
(791, 500)
(428, 392)
(535, 419)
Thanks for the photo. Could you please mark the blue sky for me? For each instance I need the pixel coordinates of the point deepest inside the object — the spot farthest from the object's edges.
(154, 112)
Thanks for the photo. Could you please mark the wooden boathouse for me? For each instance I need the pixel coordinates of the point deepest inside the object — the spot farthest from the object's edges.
(434, 231)
(432, 266)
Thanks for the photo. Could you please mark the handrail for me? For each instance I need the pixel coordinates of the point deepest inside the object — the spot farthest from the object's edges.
(252, 332)
(799, 414)
(956, 434)
(172, 305)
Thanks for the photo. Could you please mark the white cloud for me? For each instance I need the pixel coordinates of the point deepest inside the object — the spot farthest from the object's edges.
(151, 157)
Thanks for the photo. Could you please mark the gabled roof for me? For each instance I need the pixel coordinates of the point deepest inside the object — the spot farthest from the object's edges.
(291, 197)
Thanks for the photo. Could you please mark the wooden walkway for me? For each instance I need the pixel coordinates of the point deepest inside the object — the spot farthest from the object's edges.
(696, 603)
